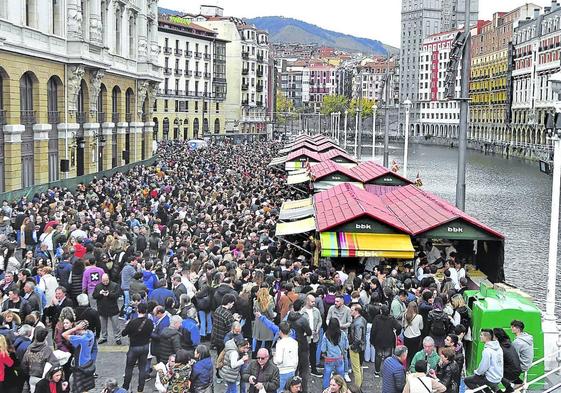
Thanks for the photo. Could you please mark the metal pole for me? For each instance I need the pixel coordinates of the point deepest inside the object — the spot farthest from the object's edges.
(374, 131)
(406, 150)
(464, 112)
(554, 229)
(319, 123)
(356, 134)
(387, 115)
(345, 133)
(359, 154)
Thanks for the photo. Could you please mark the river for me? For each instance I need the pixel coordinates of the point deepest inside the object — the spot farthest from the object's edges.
(510, 195)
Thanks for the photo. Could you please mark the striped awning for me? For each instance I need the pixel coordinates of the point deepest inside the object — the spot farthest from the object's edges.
(298, 179)
(295, 227)
(345, 244)
(297, 204)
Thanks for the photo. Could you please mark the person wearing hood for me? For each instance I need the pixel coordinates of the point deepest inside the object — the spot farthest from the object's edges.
(524, 346)
(235, 355)
(202, 372)
(511, 364)
(37, 355)
(382, 336)
(170, 339)
(490, 370)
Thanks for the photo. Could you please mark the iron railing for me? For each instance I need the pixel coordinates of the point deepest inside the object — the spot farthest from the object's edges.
(27, 117)
(81, 117)
(167, 50)
(101, 117)
(116, 117)
(53, 117)
(128, 117)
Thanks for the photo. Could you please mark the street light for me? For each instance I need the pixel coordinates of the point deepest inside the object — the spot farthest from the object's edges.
(553, 128)
(407, 105)
(374, 109)
(345, 133)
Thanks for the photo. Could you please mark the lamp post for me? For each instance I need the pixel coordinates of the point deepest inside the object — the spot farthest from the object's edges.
(553, 128)
(407, 105)
(374, 109)
(356, 134)
(345, 132)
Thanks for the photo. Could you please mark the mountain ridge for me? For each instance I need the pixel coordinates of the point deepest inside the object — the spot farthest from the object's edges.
(291, 30)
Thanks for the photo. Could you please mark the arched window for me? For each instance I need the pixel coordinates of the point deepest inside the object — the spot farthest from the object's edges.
(26, 98)
(129, 104)
(118, 27)
(196, 129)
(52, 100)
(217, 126)
(81, 105)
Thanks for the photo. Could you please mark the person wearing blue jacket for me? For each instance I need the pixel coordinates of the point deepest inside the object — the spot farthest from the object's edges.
(149, 277)
(393, 371)
(202, 372)
(191, 336)
(334, 347)
(160, 294)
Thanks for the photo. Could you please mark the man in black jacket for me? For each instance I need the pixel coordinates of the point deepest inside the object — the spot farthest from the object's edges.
(170, 340)
(139, 331)
(357, 341)
(262, 373)
(107, 293)
(299, 323)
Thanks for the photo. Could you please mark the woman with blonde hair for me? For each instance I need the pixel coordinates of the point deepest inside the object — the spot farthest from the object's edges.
(5, 360)
(11, 319)
(262, 336)
(337, 385)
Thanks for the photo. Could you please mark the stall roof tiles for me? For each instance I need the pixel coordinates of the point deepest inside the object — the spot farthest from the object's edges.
(337, 153)
(304, 152)
(421, 211)
(345, 202)
(328, 167)
(369, 171)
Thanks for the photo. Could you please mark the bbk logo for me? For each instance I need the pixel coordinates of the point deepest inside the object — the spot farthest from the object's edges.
(388, 179)
(363, 226)
(455, 230)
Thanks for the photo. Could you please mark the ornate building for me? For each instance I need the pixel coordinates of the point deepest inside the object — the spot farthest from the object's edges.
(77, 79)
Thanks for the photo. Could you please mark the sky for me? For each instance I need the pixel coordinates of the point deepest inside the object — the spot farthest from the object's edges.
(375, 19)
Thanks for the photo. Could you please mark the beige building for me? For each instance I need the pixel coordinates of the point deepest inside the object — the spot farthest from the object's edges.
(249, 94)
(76, 81)
(191, 95)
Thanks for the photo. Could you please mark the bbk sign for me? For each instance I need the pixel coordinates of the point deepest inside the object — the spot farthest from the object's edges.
(363, 226)
(388, 179)
(455, 230)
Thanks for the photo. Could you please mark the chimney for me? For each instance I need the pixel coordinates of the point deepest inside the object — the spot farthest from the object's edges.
(536, 13)
(554, 5)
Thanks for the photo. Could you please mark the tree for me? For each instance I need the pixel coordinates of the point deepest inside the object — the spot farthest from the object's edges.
(336, 103)
(367, 106)
(284, 104)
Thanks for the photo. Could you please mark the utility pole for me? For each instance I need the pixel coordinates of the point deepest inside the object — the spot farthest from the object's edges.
(464, 112)
(387, 114)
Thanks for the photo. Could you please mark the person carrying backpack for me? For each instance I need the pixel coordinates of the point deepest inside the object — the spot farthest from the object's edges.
(439, 322)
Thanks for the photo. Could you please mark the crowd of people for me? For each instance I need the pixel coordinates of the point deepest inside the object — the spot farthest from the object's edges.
(178, 260)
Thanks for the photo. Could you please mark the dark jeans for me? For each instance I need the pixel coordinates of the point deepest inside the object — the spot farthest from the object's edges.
(303, 369)
(413, 346)
(381, 355)
(313, 350)
(475, 381)
(138, 354)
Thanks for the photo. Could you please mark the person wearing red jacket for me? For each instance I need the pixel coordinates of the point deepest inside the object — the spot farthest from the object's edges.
(5, 360)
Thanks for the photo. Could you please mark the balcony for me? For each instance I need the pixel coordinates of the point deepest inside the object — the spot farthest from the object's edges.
(245, 71)
(189, 53)
(198, 55)
(81, 117)
(178, 72)
(128, 117)
(259, 88)
(259, 103)
(2, 117)
(180, 93)
(245, 55)
(167, 71)
(167, 50)
(198, 74)
(115, 117)
(207, 56)
(245, 86)
(260, 73)
(101, 117)
(53, 117)
(178, 52)
(188, 73)
(207, 75)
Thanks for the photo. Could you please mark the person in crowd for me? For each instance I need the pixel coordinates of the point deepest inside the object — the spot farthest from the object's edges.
(286, 355)
(357, 342)
(38, 354)
(107, 294)
(393, 371)
(234, 355)
(524, 346)
(334, 347)
(490, 370)
(6, 361)
(447, 371)
(412, 329)
(418, 380)
(382, 336)
(293, 385)
(222, 321)
(139, 331)
(82, 340)
(511, 361)
(201, 380)
(314, 317)
(53, 382)
(261, 373)
(454, 342)
(178, 377)
(438, 322)
(337, 384)
(428, 354)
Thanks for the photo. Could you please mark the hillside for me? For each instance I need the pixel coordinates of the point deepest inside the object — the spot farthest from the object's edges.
(289, 30)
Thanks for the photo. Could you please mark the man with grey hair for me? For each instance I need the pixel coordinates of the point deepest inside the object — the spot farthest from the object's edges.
(393, 371)
(22, 341)
(170, 340)
(31, 297)
(428, 354)
(85, 312)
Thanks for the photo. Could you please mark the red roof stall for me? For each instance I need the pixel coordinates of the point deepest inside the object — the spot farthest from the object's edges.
(372, 173)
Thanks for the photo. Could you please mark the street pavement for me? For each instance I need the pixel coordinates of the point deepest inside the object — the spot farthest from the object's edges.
(111, 364)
